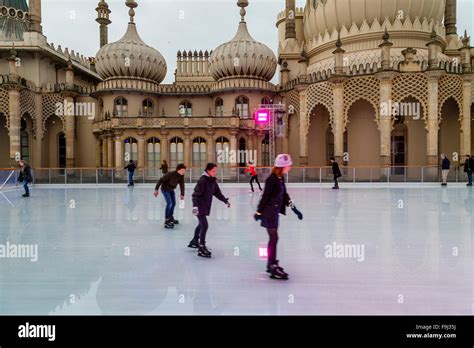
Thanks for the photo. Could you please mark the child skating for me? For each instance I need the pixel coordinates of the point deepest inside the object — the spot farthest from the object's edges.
(25, 177)
(206, 188)
(274, 201)
(336, 172)
(168, 184)
(254, 176)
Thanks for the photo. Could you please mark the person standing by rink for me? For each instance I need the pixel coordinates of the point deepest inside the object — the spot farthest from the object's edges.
(25, 176)
(445, 167)
(469, 168)
(168, 184)
(206, 188)
(274, 201)
(131, 171)
(336, 172)
(254, 176)
(164, 168)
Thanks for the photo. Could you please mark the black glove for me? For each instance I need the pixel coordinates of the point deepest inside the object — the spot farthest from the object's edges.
(257, 217)
(297, 212)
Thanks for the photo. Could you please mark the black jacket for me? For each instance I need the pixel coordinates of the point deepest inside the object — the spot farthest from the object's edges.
(131, 167)
(335, 169)
(164, 168)
(469, 165)
(25, 174)
(273, 199)
(446, 164)
(205, 189)
(170, 181)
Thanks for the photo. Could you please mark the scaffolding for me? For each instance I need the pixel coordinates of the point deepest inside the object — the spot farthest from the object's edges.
(275, 126)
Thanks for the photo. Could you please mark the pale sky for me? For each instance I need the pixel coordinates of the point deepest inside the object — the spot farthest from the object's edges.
(172, 25)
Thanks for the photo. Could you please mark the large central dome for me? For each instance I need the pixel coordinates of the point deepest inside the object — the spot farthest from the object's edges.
(243, 56)
(130, 57)
(322, 15)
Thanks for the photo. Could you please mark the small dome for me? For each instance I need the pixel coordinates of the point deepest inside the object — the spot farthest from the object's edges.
(243, 57)
(130, 57)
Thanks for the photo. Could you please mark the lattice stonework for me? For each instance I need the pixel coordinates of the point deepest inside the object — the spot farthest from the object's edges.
(27, 105)
(49, 107)
(320, 94)
(4, 106)
(411, 85)
(292, 102)
(450, 86)
(366, 88)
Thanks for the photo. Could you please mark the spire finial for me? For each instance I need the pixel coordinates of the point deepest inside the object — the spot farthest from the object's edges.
(242, 4)
(132, 4)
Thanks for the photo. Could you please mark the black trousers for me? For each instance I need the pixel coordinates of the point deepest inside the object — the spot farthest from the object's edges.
(255, 178)
(272, 245)
(336, 183)
(201, 230)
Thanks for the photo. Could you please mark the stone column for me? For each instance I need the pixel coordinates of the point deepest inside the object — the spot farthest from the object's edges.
(466, 120)
(141, 149)
(110, 151)
(187, 148)
(164, 146)
(211, 146)
(15, 125)
(303, 125)
(98, 151)
(118, 151)
(433, 116)
(70, 128)
(104, 162)
(338, 122)
(385, 122)
(36, 150)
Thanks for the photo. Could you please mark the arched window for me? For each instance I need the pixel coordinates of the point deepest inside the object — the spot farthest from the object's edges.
(147, 108)
(131, 149)
(61, 151)
(242, 149)
(219, 107)
(121, 107)
(242, 106)
(222, 154)
(153, 154)
(399, 146)
(176, 152)
(24, 142)
(185, 109)
(266, 150)
(266, 101)
(199, 152)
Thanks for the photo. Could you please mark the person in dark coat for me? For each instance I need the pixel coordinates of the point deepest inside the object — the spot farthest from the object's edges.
(25, 176)
(274, 201)
(164, 168)
(336, 172)
(206, 188)
(131, 171)
(469, 168)
(168, 184)
(445, 167)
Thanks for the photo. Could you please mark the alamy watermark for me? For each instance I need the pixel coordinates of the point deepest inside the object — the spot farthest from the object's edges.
(240, 156)
(67, 108)
(404, 109)
(345, 251)
(19, 251)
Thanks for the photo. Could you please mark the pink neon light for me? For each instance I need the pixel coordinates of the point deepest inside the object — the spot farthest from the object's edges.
(263, 116)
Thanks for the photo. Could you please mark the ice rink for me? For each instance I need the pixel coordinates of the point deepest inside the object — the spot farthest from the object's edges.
(363, 250)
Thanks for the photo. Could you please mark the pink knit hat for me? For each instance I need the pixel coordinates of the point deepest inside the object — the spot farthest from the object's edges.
(283, 161)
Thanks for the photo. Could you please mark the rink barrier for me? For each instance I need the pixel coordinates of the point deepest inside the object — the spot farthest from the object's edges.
(362, 174)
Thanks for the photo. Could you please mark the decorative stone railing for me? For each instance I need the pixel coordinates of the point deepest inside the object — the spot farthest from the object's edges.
(173, 122)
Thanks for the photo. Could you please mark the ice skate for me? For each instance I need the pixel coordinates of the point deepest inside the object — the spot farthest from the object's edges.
(203, 252)
(173, 221)
(276, 272)
(169, 224)
(194, 244)
(269, 267)
(26, 195)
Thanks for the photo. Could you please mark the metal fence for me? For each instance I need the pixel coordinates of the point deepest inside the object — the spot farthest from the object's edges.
(386, 174)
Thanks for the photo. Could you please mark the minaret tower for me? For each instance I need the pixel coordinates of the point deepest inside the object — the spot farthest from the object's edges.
(103, 14)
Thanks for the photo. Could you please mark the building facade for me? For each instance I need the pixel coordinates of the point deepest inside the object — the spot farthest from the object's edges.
(370, 85)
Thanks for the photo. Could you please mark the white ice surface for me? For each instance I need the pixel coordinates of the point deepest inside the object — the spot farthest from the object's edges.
(103, 250)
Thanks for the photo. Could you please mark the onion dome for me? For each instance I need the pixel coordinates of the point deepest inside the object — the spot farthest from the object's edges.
(243, 56)
(13, 19)
(130, 57)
